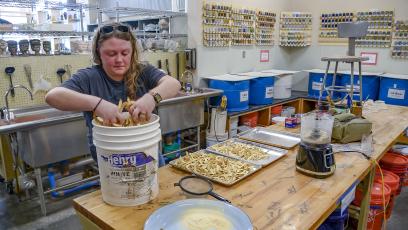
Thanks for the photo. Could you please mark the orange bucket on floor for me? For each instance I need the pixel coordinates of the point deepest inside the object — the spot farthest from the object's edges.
(376, 213)
(397, 164)
(393, 181)
(250, 119)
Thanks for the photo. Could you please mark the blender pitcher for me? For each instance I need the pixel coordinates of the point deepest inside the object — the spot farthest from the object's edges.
(315, 156)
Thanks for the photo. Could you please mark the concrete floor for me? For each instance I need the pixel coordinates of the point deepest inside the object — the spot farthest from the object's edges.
(21, 215)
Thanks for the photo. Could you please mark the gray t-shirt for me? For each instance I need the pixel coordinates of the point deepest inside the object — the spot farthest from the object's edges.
(94, 81)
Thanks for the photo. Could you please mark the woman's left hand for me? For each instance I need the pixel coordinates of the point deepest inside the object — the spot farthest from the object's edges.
(142, 109)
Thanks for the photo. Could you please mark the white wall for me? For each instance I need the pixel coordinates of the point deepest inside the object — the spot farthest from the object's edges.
(221, 60)
(309, 58)
(213, 61)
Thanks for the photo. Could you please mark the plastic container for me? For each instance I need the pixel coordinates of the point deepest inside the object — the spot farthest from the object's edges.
(233, 127)
(212, 140)
(336, 221)
(218, 122)
(316, 82)
(393, 181)
(375, 215)
(250, 119)
(278, 120)
(276, 110)
(371, 85)
(237, 93)
(121, 156)
(394, 89)
(170, 148)
(261, 91)
(397, 164)
(283, 86)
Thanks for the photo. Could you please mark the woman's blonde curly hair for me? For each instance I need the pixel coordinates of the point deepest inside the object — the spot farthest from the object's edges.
(135, 68)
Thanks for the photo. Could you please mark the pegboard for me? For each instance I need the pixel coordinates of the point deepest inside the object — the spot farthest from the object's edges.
(40, 65)
(47, 67)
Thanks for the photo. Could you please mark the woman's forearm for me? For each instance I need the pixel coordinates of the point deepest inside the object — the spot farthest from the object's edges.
(167, 87)
(69, 100)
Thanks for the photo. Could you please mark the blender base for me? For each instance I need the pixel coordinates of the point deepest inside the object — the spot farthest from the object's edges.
(319, 175)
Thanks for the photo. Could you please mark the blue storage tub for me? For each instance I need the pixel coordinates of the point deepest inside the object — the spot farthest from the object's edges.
(261, 91)
(237, 93)
(336, 221)
(371, 85)
(394, 89)
(316, 81)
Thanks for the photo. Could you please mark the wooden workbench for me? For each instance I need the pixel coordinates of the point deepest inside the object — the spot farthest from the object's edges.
(276, 197)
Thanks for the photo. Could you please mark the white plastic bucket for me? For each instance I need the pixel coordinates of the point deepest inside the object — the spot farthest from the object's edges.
(283, 87)
(128, 165)
(218, 122)
(212, 140)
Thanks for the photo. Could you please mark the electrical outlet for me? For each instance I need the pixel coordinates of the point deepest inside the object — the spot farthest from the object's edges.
(243, 54)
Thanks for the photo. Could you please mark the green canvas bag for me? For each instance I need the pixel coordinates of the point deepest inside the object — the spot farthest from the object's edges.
(349, 128)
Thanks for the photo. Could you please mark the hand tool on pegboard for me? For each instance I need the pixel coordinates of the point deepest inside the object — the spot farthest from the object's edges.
(60, 73)
(27, 70)
(9, 71)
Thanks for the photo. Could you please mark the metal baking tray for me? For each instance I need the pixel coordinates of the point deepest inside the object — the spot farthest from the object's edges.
(271, 137)
(273, 153)
(253, 169)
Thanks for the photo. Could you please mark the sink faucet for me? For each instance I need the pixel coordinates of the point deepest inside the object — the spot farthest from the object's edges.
(187, 78)
(6, 97)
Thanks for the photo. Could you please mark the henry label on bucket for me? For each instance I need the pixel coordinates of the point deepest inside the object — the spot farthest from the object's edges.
(243, 96)
(317, 85)
(132, 174)
(269, 92)
(396, 93)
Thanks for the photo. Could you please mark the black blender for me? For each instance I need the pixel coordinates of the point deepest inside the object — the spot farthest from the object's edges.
(315, 156)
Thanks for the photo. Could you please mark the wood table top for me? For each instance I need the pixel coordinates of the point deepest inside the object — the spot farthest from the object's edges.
(277, 196)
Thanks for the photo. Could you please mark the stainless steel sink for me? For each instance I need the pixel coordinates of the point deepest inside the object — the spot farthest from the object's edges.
(186, 110)
(32, 117)
(46, 135)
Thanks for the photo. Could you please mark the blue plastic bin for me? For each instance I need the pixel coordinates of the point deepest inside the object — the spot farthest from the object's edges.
(371, 85)
(261, 91)
(316, 81)
(237, 93)
(336, 221)
(393, 90)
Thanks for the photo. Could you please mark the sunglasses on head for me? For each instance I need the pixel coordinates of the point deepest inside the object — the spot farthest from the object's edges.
(110, 29)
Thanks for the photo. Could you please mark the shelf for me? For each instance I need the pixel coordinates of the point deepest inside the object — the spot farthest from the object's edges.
(283, 18)
(217, 32)
(265, 16)
(213, 24)
(249, 14)
(47, 5)
(244, 20)
(265, 28)
(216, 17)
(215, 10)
(46, 33)
(141, 14)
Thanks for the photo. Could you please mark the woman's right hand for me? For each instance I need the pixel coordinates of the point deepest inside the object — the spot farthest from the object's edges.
(109, 112)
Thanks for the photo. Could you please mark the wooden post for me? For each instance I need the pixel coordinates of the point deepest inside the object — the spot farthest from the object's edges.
(365, 203)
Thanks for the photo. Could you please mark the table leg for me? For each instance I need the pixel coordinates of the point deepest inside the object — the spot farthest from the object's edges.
(198, 138)
(40, 190)
(365, 203)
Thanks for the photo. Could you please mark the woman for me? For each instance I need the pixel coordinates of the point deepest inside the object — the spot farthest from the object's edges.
(118, 74)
